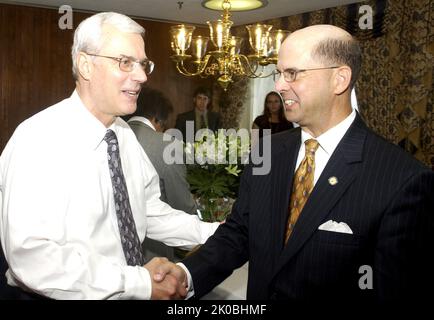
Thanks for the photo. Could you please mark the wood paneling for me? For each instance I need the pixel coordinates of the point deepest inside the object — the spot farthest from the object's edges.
(35, 64)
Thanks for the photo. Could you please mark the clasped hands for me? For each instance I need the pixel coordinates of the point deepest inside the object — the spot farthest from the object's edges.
(169, 281)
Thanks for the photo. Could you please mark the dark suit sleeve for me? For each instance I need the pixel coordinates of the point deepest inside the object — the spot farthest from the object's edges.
(214, 122)
(179, 123)
(226, 250)
(218, 122)
(405, 242)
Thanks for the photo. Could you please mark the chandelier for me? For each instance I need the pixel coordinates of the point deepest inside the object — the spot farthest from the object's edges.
(225, 62)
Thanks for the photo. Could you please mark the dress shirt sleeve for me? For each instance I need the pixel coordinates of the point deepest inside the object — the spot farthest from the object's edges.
(173, 227)
(176, 228)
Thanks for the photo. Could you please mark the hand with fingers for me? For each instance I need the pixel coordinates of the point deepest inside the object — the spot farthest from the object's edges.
(169, 281)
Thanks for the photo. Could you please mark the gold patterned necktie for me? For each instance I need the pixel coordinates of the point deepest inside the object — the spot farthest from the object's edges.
(303, 185)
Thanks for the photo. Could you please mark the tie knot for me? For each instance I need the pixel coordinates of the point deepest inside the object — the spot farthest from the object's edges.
(311, 146)
(110, 137)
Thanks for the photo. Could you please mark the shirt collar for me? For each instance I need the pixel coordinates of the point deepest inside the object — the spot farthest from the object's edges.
(329, 140)
(142, 120)
(90, 129)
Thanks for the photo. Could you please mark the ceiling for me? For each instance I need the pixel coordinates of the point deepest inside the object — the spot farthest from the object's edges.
(191, 11)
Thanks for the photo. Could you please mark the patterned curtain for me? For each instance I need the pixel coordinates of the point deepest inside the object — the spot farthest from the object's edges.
(231, 102)
(395, 87)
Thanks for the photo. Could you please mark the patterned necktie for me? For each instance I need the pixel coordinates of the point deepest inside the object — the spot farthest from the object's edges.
(303, 185)
(127, 228)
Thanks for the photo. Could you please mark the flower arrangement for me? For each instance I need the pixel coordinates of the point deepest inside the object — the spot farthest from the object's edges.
(214, 165)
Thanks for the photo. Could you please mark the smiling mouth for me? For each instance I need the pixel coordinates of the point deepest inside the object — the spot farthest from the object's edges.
(289, 102)
(131, 93)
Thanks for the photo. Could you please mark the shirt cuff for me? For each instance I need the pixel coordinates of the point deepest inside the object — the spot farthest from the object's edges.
(138, 284)
(190, 289)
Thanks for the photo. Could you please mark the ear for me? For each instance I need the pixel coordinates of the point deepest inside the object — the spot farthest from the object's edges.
(342, 79)
(84, 66)
(157, 125)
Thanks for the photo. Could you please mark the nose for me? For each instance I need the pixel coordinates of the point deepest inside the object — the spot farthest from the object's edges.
(138, 74)
(279, 84)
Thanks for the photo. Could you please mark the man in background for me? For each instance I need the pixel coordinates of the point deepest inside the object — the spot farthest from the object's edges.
(148, 123)
(200, 117)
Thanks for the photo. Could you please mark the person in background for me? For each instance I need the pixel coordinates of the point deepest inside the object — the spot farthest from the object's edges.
(78, 192)
(148, 123)
(201, 117)
(273, 116)
(344, 216)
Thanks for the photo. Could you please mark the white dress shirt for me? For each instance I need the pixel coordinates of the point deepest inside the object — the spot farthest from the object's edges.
(328, 142)
(58, 223)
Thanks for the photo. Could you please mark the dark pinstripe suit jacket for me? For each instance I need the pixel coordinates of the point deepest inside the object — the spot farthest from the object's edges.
(383, 194)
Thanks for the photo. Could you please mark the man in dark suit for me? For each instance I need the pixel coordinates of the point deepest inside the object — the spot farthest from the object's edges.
(148, 124)
(361, 231)
(200, 117)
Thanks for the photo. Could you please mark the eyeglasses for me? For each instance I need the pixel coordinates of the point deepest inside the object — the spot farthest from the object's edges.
(126, 64)
(290, 75)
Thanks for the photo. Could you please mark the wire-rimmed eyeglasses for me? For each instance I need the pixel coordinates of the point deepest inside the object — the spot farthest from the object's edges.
(290, 75)
(126, 63)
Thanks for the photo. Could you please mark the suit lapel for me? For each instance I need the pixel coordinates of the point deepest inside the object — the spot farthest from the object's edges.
(282, 173)
(343, 166)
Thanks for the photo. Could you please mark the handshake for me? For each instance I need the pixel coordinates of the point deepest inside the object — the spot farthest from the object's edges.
(169, 281)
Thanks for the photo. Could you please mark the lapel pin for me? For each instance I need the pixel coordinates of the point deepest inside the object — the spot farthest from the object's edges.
(333, 181)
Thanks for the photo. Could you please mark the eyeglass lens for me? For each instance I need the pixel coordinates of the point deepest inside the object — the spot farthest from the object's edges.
(127, 65)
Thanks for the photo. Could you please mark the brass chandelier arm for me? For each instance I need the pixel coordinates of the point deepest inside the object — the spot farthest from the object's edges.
(200, 69)
(251, 72)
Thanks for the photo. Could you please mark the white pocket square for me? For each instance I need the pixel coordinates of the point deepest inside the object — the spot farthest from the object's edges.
(334, 226)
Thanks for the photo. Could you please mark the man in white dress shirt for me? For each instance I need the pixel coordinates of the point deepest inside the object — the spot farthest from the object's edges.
(58, 223)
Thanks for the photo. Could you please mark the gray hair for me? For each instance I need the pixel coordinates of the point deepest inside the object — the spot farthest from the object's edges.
(343, 51)
(88, 36)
